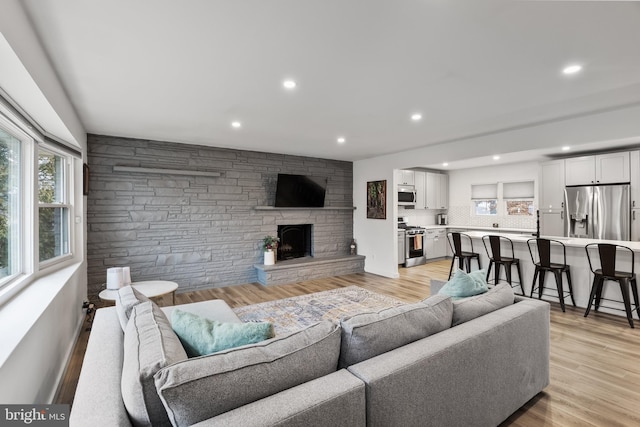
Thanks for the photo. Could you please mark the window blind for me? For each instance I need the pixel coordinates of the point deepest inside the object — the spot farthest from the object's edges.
(518, 190)
(484, 191)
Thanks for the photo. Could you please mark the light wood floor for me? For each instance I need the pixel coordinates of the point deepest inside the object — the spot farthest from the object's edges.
(595, 361)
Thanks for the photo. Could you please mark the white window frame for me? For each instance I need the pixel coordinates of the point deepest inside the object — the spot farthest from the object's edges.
(25, 267)
(29, 268)
(485, 194)
(67, 203)
(520, 191)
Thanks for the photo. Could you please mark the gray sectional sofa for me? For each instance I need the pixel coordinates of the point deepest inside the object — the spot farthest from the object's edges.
(439, 362)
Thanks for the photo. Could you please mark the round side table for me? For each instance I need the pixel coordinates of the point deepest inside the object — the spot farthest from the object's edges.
(148, 288)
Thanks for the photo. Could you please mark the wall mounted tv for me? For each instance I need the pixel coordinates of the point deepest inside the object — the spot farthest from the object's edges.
(300, 191)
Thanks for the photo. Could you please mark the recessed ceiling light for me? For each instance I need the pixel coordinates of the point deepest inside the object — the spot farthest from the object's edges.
(289, 84)
(236, 124)
(416, 117)
(496, 157)
(572, 69)
(341, 140)
(445, 164)
(566, 148)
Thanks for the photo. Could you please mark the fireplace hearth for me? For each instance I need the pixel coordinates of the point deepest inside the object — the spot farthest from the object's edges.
(295, 241)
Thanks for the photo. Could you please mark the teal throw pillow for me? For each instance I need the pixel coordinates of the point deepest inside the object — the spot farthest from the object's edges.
(464, 285)
(200, 336)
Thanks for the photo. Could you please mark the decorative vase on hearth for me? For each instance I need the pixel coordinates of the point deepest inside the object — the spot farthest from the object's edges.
(269, 257)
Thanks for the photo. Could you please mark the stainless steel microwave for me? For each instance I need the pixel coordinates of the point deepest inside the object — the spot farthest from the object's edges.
(406, 195)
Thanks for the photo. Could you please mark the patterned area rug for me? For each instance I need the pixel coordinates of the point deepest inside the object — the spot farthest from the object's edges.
(291, 314)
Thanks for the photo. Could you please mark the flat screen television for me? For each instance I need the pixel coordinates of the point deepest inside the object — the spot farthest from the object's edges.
(300, 191)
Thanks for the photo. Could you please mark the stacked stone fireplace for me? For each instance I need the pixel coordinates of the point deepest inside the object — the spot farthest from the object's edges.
(295, 241)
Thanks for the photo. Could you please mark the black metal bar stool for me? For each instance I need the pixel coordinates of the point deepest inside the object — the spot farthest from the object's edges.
(495, 257)
(543, 264)
(608, 253)
(455, 240)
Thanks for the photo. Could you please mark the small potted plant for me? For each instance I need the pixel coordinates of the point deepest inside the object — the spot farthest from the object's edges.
(270, 245)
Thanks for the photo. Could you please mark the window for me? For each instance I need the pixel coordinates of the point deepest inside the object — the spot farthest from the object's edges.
(53, 206)
(485, 199)
(36, 196)
(519, 197)
(10, 205)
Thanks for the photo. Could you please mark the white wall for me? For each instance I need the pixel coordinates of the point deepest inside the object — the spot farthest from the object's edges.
(39, 325)
(460, 182)
(376, 238)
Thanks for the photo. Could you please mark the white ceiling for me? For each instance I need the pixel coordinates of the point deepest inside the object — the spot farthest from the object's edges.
(183, 71)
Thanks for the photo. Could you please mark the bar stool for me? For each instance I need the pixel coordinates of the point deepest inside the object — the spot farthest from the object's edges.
(464, 257)
(495, 257)
(544, 264)
(608, 253)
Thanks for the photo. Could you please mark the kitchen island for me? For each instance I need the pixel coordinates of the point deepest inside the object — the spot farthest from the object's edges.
(581, 276)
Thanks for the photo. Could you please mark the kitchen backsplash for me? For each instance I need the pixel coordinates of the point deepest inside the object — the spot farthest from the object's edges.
(461, 215)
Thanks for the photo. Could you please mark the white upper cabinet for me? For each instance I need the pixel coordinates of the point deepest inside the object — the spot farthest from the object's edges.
(580, 170)
(612, 168)
(552, 185)
(405, 177)
(608, 168)
(437, 191)
(634, 158)
(420, 183)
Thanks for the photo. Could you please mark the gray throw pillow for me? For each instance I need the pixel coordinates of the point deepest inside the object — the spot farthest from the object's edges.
(369, 334)
(127, 298)
(203, 387)
(469, 308)
(149, 345)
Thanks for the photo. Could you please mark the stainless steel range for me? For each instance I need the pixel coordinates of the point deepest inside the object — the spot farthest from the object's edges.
(413, 244)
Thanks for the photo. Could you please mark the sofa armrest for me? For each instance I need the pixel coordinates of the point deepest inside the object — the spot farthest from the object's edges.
(337, 399)
(492, 364)
(98, 399)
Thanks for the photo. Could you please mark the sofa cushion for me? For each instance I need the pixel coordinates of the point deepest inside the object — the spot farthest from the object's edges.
(464, 284)
(127, 297)
(201, 336)
(203, 387)
(469, 308)
(369, 334)
(149, 344)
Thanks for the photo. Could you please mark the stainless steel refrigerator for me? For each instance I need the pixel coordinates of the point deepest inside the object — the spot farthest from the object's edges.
(598, 212)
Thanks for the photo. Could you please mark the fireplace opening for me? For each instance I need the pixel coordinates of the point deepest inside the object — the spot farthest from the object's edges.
(295, 241)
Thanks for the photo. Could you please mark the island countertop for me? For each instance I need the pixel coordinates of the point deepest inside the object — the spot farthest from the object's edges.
(574, 242)
(581, 275)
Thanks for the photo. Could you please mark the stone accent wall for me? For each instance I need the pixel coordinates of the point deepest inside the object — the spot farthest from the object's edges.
(198, 231)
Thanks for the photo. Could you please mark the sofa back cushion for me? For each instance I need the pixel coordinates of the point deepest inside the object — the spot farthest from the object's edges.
(469, 308)
(369, 334)
(149, 345)
(127, 298)
(203, 387)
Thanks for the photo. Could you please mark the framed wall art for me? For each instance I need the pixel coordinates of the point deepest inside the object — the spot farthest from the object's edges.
(377, 199)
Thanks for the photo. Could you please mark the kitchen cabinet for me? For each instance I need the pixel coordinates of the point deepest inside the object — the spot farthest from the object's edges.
(435, 245)
(441, 244)
(436, 191)
(610, 168)
(420, 183)
(634, 159)
(635, 225)
(405, 177)
(552, 223)
(552, 185)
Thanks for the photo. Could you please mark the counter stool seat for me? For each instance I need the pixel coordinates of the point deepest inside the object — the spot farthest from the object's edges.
(607, 254)
(455, 240)
(543, 264)
(493, 246)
